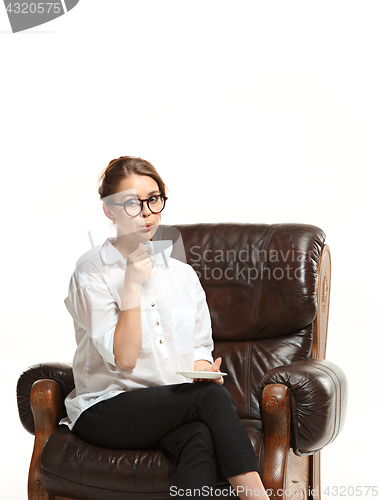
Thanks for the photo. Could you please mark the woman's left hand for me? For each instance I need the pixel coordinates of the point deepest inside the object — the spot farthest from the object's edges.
(215, 367)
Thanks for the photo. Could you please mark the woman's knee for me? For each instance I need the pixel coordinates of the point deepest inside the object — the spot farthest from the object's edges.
(201, 434)
(218, 394)
(194, 435)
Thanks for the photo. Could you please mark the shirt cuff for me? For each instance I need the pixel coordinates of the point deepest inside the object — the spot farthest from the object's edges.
(202, 353)
(105, 348)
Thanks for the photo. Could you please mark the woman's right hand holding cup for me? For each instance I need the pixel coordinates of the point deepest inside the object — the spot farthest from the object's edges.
(139, 266)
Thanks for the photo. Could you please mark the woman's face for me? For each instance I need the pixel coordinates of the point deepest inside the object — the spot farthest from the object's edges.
(143, 226)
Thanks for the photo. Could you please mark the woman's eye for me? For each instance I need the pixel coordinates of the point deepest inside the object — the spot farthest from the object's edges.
(132, 202)
(153, 199)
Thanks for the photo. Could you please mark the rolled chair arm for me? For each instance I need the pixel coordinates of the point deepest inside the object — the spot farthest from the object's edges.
(59, 372)
(319, 402)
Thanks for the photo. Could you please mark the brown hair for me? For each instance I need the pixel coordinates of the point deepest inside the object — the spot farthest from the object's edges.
(123, 167)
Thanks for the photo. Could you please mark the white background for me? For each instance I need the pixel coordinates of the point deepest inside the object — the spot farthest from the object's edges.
(274, 104)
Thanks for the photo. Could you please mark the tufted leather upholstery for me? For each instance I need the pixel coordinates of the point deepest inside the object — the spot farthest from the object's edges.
(261, 286)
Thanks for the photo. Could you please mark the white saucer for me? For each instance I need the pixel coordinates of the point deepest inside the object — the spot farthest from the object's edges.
(210, 375)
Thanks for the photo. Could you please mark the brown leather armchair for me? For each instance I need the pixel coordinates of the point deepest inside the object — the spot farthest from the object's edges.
(268, 289)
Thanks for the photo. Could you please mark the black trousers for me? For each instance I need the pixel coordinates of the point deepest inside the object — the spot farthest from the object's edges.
(195, 422)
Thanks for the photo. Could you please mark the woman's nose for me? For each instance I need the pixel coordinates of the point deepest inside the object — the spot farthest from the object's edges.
(145, 210)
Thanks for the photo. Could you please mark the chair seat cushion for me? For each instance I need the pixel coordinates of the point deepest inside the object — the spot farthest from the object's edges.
(70, 466)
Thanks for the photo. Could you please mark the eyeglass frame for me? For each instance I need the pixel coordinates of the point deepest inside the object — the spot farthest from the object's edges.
(164, 198)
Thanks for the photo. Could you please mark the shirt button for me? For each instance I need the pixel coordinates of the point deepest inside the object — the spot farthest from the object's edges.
(161, 341)
(157, 323)
(152, 304)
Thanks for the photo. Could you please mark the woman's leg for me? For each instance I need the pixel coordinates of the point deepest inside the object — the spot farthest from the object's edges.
(248, 486)
(154, 417)
(215, 407)
(233, 449)
(142, 418)
(137, 419)
(196, 466)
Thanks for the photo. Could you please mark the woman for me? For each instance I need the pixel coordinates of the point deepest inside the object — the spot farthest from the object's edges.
(137, 324)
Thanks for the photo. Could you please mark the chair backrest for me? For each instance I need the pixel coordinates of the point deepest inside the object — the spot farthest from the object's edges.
(261, 286)
(267, 287)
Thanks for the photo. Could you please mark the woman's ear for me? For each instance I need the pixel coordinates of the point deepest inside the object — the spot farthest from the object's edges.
(108, 212)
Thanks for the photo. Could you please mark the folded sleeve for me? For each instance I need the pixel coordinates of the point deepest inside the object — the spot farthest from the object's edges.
(94, 309)
(203, 342)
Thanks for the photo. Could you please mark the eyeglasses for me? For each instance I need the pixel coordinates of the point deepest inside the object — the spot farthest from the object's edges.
(134, 206)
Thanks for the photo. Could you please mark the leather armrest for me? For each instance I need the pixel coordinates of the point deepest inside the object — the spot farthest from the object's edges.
(319, 401)
(60, 372)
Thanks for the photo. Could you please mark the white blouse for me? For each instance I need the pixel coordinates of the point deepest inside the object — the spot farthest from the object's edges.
(176, 328)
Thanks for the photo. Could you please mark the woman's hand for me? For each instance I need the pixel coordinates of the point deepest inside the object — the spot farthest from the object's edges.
(215, 367)
(139, 266)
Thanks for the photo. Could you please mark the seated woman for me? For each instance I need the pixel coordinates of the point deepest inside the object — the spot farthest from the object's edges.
(137, 324)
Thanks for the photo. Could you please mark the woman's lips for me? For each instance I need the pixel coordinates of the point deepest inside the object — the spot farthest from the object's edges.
(146, 227)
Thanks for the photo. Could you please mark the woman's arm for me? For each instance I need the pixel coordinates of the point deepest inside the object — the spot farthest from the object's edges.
(128, 332)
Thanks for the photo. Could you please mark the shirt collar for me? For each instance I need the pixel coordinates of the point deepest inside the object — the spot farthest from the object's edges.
(109, 254)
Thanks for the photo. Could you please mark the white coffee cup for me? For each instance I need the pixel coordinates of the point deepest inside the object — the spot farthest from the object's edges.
(159, 251)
